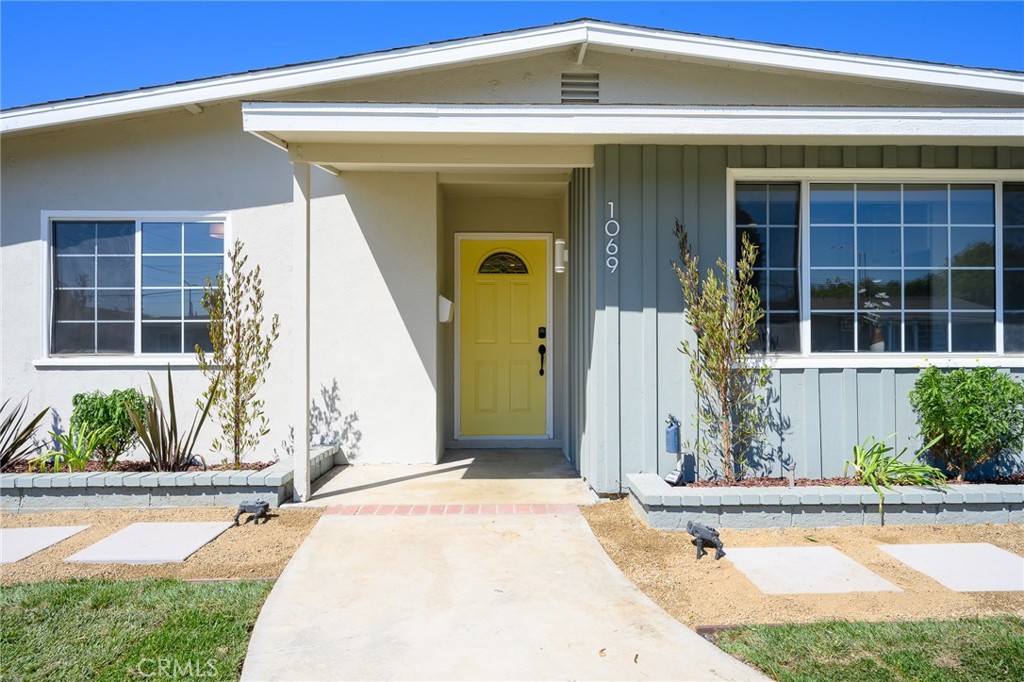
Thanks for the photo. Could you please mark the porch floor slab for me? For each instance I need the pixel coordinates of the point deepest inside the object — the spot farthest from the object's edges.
(18, 543)
(468, 597)
(151, 543)
(805, 570)
(506, 476)
(964, 567)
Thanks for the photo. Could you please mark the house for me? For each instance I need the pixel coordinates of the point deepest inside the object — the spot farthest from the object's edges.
(470, 241)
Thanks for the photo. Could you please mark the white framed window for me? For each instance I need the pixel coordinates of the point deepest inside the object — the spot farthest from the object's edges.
(888, 267)
(123, 285)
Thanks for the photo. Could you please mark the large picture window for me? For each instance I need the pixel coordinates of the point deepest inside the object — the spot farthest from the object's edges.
(892, 267)
(130, 287)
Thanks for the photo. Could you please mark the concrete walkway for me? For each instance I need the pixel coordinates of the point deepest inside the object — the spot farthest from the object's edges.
(511, 476)
(445, 596)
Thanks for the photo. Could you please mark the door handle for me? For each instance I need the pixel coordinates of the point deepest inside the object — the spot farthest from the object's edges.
(542, 349)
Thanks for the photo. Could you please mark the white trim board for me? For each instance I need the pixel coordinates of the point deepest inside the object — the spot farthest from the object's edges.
(595, 34)
(300, 123)
(550, 360)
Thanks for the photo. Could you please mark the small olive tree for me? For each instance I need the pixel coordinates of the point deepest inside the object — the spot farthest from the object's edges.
(240, 358)
(728, 377)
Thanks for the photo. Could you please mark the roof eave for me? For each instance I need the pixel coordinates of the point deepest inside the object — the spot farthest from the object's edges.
(504, 45)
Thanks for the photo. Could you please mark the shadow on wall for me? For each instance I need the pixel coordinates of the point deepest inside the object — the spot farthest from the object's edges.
(1007, 464)
(767, 457)
(764, 454)
(389, 213)
(56, 426)
(328, 426)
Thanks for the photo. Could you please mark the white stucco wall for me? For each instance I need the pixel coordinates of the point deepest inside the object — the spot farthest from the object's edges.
(374, 268)
(374, 308)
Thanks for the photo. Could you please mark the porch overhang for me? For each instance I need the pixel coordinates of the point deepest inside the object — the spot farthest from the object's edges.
(374, 136)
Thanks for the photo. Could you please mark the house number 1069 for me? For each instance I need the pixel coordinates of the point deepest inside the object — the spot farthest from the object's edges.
(611, 232)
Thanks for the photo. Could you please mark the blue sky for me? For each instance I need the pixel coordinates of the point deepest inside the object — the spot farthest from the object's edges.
(56, 50)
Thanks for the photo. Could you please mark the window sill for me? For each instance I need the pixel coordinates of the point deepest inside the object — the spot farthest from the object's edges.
(891, 361)
(116, 361)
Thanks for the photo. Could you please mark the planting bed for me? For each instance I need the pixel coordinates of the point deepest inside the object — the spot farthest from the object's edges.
(227, 488)
(140, 466)
(667, 507)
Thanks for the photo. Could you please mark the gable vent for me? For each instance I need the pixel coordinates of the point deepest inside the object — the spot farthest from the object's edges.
(580, 88)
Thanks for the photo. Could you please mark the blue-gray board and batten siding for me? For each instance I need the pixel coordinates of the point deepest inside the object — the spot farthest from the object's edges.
(626, 372)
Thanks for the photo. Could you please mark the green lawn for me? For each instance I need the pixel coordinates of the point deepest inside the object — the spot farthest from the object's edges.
(982, 649)
(125, 630)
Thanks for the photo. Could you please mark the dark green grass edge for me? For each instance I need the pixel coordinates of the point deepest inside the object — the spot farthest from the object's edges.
(970, 649)
(88, 629)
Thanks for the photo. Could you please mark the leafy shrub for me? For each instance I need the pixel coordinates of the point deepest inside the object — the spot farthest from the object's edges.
(978, 411)
(16, 443)
(158, 429)
(77, 447)
(874, 466)
(109, 413)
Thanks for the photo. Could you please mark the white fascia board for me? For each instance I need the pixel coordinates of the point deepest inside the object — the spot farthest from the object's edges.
(617, 122)
(503, 46)
(803, 59)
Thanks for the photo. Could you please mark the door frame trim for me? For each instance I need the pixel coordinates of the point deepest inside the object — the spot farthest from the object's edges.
(548, 239)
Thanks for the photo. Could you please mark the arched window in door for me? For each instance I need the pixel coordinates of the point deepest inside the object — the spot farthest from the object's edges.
(503, 263)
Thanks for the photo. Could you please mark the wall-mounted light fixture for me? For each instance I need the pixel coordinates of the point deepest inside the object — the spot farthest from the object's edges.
(561, 256)
(445, 309)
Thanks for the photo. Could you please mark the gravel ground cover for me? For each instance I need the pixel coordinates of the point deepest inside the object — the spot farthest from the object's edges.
(713, 593)
(246, 552)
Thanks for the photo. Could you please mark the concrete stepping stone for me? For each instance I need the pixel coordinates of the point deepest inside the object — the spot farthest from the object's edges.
(151, 543)
(805, 570)
(964, 566)
(18, 543)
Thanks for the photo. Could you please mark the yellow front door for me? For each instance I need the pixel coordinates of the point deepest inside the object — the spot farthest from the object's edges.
(502, 391)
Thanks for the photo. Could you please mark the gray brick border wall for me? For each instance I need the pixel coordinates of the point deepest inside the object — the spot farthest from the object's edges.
(43, 492)
(668, 508)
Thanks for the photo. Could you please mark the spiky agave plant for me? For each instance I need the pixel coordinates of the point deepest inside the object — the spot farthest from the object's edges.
(16, 444)
(158, 429)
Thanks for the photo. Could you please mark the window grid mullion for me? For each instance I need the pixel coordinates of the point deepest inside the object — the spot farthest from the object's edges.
(1000, 346)
(181, 295)
(138, 287)
(903, 271)
(856, 274)
(95, 284)
(804, 235)
(949, 268)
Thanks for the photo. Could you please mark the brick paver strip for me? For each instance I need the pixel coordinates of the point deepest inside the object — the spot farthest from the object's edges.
(450, 509)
